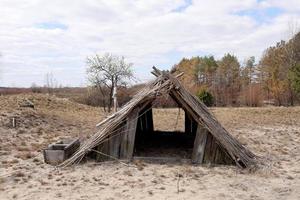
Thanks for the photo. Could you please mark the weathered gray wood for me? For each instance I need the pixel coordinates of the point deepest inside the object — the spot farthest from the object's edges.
(115, 142)
(131, 133)
(103, 148)
(127, 143)
(207, 151)
(219, 156)
(213, 150)
(199, 145)
(54, 157)
(58, 152)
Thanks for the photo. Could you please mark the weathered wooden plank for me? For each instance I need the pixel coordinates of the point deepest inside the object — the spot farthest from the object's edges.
(127, 143)
(213, 149)
(226, 158)
(123, 145)
(115, 142)
(131, 133)
(207, 151)
(219, 156)
(199, 145)
(103, 148)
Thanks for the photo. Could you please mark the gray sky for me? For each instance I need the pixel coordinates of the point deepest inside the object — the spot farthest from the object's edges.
(42, 36)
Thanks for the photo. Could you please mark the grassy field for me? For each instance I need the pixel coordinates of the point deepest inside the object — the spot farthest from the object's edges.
(271, 132)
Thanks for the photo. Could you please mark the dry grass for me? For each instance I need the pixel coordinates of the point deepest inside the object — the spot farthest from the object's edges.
(272, 132)
(168, 119)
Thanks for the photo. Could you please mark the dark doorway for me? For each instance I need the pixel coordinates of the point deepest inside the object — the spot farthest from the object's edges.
(170, 142)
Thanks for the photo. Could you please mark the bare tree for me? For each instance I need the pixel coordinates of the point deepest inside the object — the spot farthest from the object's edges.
(50, 82)
(106, 73)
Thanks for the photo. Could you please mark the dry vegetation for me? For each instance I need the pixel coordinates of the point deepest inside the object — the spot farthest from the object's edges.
(272, 132)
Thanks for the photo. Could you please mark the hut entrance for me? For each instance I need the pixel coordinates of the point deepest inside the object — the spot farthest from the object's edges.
(168, 138)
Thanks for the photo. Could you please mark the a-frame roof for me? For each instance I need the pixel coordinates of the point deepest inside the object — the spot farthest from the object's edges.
(168, 83)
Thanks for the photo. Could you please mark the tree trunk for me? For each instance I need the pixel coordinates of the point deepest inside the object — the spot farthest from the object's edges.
(111, 94)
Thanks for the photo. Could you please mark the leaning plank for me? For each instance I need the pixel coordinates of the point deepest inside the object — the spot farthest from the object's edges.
(199, 145)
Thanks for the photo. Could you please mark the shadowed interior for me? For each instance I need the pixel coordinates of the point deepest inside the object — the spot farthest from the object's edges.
(164, 144)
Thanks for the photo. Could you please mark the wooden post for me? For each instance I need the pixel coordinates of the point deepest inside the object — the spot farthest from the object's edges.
(127, 144)
(199, 145)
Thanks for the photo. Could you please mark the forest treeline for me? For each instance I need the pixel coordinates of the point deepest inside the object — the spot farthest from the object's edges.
(274, 79)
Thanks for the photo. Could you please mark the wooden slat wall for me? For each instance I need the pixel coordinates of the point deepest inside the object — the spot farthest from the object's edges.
(104, 148)
(115, 141)
(214, 153)
(127, 141)
(145, 122)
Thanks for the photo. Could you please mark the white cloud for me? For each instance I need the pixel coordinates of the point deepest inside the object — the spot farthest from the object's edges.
(148, 33)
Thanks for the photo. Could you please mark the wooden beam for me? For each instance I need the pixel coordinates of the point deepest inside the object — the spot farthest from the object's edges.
(179, 75)
(156, 72)
(199, 145)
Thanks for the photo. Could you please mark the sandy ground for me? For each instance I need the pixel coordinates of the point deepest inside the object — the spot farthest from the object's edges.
(273, 133)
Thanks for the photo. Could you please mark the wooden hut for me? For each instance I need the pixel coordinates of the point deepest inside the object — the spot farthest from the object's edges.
(117, 134)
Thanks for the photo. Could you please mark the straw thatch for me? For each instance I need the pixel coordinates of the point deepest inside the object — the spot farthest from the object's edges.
(168, 83)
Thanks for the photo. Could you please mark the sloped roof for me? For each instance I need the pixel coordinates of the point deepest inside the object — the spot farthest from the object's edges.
(168, 83)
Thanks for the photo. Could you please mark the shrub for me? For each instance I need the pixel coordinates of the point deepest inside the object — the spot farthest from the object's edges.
(206, 97)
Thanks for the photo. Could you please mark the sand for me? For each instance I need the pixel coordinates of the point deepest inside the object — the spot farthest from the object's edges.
(271, 132)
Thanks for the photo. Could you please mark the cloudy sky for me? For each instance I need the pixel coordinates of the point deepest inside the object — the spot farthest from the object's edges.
(43, 36)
